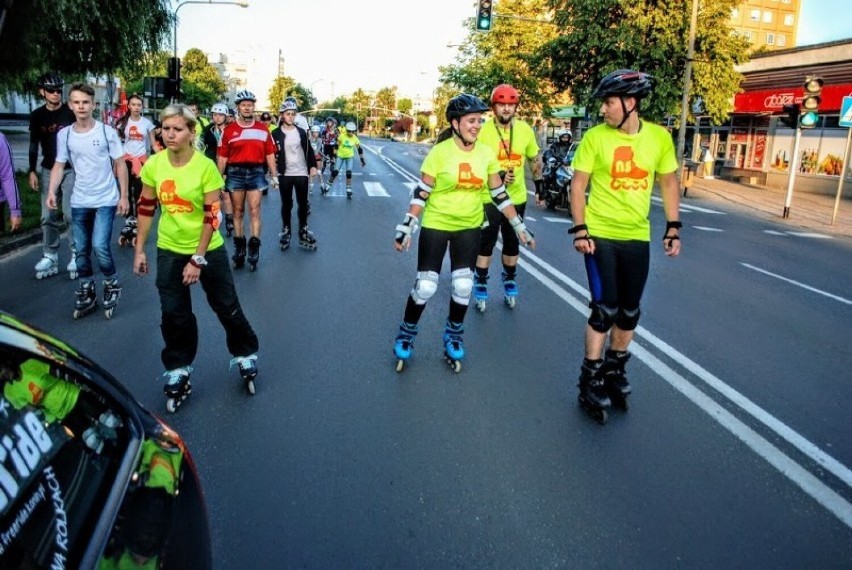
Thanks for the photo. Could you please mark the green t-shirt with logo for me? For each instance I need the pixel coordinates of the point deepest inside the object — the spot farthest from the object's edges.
(180, 192)
(346, 144)
(622, 169)
(460, 179)
(514, 146)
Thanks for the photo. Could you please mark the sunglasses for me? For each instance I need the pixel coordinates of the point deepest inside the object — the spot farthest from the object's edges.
(54, 91)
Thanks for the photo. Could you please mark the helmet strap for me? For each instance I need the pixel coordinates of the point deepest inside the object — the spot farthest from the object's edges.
(461, 138)
(626, 112)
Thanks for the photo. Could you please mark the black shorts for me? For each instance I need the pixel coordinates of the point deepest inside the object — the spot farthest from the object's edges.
(617, 272)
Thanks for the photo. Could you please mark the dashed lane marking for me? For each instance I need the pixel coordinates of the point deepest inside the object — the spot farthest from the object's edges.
(707, 229)
(798, 283)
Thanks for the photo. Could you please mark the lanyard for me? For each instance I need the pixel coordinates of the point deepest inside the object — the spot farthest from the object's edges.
(503, 141)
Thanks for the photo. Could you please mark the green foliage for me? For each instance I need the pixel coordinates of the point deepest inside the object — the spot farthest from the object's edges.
(77, 37)
(385, 103)
(30, 207)
(197, 70)
(599, 36)
(503, 55)
(281, 87)
(405, 105)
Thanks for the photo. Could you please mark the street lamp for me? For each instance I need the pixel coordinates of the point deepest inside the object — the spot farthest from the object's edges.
(240, 3)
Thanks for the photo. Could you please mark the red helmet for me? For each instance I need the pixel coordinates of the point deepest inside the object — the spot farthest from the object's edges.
(505, 93)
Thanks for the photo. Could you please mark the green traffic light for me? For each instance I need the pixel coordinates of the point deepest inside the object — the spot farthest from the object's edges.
(809, 119)
(484, 24)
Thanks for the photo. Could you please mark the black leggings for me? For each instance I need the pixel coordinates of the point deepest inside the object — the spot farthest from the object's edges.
(134, 188)
(288, 185)
(617, 273)
(497, 223)
(431, 248)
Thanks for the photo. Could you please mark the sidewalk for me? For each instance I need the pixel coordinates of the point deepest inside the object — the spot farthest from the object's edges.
(808, 212)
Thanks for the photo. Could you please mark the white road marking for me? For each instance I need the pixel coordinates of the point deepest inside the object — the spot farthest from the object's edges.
(529, 219)
(810, 235)
(689, 207)
(798, 284)
(558, 220)
(774, 233)
(706, 229)
(375, 189)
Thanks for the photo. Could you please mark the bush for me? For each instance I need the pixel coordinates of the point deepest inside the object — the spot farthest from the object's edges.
(30, 207)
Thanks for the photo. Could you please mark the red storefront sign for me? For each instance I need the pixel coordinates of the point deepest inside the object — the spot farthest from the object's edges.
(773, 100)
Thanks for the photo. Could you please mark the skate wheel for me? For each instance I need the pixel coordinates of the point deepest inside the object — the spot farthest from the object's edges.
(480, 306)
(122, 241)
(252, 267)
(109, 312)
(400, 364)
(621, 402)
(172, 405)
(510, 302)
(455, 365)
(250, 386)
(133, 241)
(77, 313)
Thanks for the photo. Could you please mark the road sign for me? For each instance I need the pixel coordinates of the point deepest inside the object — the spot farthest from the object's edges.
(846, 112)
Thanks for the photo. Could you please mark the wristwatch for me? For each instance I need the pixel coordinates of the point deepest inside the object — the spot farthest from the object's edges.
(198, 261)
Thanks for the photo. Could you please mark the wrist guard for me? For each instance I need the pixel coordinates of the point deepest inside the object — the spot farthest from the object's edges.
(406, 229)
(520, 227)
(578, 228)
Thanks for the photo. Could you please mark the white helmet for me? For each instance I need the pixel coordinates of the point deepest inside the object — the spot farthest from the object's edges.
(219, 108)
(289, 104)
(315, 129)
(244, 95)
(563, 133)
(350, 126)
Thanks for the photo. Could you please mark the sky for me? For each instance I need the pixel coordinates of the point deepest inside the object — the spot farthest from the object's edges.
(334, 47)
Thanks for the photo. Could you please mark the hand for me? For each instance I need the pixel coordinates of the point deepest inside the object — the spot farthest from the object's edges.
(50, 202)
(123, 206)
(671, 243)
(33, 179)
(539, 201)
(584, 243)
(527, 239)
(404, 231)
(509, 178)
(16, 223)
(140, 263)
(273, 181)
(191, 274)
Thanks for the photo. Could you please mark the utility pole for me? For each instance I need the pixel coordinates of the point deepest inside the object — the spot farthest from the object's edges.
(687, 85)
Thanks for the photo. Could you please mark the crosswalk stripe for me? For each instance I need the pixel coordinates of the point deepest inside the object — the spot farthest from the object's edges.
(376, 189)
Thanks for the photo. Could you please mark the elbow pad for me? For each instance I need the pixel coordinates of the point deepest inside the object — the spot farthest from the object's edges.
(421, 194)
(500, 197)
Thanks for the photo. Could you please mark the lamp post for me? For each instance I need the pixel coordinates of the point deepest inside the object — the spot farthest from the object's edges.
(240, 3)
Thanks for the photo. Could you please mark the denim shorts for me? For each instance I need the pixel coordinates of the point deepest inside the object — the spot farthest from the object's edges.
(245, 178)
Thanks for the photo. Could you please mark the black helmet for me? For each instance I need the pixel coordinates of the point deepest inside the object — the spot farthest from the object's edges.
(625, 82)
(50, 80)
(464, 104)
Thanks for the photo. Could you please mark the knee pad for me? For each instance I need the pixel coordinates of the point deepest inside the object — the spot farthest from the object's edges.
(334, 172)
(424, 287)
(462, 285)
(628, 319)
(348, 174)
(602, 317)
(488, 239)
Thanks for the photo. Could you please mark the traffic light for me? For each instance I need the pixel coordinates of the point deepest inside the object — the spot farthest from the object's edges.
(173, 81)
(790, 117)
(484, 15)
(810, 102)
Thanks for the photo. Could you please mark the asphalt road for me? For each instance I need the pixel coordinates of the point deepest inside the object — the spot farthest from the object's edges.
(735, 451)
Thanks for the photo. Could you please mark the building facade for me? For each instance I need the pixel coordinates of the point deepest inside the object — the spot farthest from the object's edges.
(769, 23)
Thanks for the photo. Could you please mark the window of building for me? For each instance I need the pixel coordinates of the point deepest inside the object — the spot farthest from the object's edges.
(788, 19)
(767, 17)
(754, 16)
(770, 39)
(781, 40)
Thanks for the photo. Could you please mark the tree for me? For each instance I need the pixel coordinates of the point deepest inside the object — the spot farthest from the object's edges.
(405, 105)
(385, 100)
(504, 55)
(599, 36)
(281, 87)
(77, 37)
(357, 106)
(196, 69)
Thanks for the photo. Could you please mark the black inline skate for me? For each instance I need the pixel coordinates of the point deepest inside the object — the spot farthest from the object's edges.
(307, 239)
(253, 253)
(112, 292)
(614, 377)
(284, 239)
(229, 224)
(128, 233)
(239, 256)
(248, 370)
(177, 387)
(87, 299)
(593, 394)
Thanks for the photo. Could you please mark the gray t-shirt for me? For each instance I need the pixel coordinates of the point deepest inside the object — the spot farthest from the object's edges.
(293, 153)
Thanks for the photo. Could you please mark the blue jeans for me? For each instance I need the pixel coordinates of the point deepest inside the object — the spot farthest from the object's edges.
(245, 178)
(92, 230)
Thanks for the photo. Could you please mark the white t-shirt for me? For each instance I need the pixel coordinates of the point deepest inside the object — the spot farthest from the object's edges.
(137, 141)
(294, 154)
(92, 154)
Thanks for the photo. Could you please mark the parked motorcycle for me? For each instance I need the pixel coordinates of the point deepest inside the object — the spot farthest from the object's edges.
(556, 185)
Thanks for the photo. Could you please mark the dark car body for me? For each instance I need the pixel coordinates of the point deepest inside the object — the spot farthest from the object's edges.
(88, 477)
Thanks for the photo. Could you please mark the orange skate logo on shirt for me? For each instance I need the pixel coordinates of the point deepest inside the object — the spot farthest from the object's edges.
(36, 392)
(467, 180)
(508, 160)
(133, 134)
(626, 175)
(170, 201)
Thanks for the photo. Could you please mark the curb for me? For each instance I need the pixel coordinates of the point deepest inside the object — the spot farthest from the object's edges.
(17, 242)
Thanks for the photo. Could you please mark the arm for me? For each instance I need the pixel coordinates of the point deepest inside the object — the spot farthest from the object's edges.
(501, 199)
(582, 242)
(144, 221)
(192, 271)
(55, 179)
(221, 164)
(33, 156)
(121, 173)
(8, 185)
(406, 230)
(671, 206)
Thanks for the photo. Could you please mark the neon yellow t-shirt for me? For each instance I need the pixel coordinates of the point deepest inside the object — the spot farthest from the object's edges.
(180, 192)
(513, 146)
(37, 387)
(346, 144)
(460, 178)
(622, 169)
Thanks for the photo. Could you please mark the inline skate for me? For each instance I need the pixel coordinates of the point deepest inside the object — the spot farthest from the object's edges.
(87, 299)
(102, 431)
(253, 253)
(593, 395)
(248, 370)
(128, 233)
(348, 192)
(284, 239)
(404, 345)
(112, 292)
(239, 256)
(614, 377)
(480, 291)
(47, 266)
(229, 224)
(307, 239)
(453, 344)
(177, 387)
(71, 268)
(510, 289)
